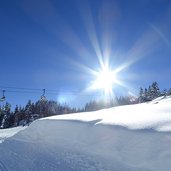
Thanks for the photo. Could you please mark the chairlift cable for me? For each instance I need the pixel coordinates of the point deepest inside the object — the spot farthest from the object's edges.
(12, 89)
(20, 88)
(36, 92)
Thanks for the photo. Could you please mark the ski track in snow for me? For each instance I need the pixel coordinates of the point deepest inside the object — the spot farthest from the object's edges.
(3, 167)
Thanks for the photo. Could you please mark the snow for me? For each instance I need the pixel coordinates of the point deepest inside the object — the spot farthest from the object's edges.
(6, 133)
(125, 138)
(155, 115)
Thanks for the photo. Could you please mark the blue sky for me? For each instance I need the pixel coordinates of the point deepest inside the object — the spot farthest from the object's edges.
(50, 43)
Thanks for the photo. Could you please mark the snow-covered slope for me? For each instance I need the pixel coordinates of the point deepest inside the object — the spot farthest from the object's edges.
(95, 141)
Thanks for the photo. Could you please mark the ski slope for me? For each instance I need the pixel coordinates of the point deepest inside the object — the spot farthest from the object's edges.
(125, 138)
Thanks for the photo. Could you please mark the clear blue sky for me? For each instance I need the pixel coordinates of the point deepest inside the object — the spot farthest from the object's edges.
(49, 43)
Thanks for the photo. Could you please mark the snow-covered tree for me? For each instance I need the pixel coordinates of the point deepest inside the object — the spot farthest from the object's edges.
(6, 114)
(149, 93)
(141, 95)
(155, 90)
(16, 116)
(169, 92)
(164, 92)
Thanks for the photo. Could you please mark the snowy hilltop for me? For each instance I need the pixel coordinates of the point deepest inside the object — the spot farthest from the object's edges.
(133, 137)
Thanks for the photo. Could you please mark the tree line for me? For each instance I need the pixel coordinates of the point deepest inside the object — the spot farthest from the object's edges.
(152, 92)
(113, 102)
(31, 111)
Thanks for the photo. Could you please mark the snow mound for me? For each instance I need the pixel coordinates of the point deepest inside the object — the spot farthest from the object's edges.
(152, 115)
(6, 133)
(94, 141)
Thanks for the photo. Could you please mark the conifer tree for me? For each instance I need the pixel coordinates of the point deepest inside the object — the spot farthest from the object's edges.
(141, 95)
(155, 91)
(5, 121)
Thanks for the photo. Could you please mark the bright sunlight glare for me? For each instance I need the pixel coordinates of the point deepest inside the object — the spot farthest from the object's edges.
(105, 80)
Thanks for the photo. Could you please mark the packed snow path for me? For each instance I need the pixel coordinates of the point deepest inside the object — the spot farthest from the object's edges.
(96, 141)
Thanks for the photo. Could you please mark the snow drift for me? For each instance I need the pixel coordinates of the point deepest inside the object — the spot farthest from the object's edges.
(95, 141)
(6, 133)
(155, 114)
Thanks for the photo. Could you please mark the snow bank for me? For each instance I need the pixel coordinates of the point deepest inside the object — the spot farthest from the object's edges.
(94, 141)
(6, 133)
(154, 115)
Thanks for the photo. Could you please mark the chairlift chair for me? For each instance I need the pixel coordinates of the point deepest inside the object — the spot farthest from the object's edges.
(3, 96)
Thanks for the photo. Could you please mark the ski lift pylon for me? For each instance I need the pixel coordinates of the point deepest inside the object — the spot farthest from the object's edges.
(3, 96)
(43, 97)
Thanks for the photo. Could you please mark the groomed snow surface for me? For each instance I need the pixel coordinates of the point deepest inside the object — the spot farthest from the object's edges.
(125, 138)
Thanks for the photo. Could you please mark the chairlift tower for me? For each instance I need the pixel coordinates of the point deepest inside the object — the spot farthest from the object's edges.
(43, 97)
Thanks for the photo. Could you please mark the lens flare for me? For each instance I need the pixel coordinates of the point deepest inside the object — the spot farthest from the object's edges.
(105, 80)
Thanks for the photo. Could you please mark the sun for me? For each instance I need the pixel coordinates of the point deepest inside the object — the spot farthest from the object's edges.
(105, 80)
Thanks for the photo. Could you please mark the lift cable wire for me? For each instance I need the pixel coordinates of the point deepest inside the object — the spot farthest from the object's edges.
(40, 92)
(11, 89)
(33, 89)
(19, 88)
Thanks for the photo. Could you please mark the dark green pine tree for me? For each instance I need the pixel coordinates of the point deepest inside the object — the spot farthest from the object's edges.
(145, 94)
(155, 90)
(141, 95)
(28, 112)
(169, 92)
(5, 121)
(1, 115)
(164, 92)
(16, 116)
(150, 93)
